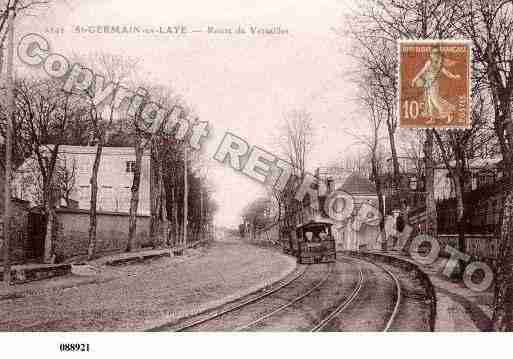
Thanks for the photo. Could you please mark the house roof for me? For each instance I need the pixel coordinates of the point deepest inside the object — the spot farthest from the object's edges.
(356, 183)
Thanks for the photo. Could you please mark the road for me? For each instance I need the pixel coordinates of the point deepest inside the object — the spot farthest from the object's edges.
(233, 278)
(349, 295)
(139, 296)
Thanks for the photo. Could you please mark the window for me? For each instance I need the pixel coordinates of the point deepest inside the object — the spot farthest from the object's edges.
(85, 193)
(413, 183)
(106, 198)
(130, 166)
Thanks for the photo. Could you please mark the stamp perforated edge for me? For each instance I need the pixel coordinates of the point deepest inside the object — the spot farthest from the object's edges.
(469, 44)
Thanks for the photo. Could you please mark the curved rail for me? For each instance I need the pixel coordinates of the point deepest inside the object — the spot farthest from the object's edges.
(285, 306)
(340, 308)
(324, 322)
(355, 293)
(398, 299)
(235, 307)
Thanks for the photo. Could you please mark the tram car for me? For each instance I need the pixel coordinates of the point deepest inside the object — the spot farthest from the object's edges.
(314, 242)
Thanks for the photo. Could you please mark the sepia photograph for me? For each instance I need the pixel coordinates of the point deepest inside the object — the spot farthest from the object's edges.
(281, 167)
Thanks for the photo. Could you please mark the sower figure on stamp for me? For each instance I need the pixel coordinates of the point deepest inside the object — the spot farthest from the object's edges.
(429, 78)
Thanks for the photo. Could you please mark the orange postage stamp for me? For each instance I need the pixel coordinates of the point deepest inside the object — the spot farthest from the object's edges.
(434, 84)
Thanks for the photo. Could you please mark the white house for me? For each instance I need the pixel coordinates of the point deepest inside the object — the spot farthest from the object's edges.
(115, 178)
(353, 233)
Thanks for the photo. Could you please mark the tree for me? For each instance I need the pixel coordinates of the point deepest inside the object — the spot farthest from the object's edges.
(160, 148)
(489, 24)
(143, 138)
(377, 114)
(377, 62)
(457, 148)
(391, 20)
(65, 179)
(116, 69)
(295, 141)
(20, 7)
(257, 214)
(140, 144)
(44, 111)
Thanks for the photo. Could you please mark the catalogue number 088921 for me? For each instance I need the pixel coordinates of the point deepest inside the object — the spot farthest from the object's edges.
(77, 347)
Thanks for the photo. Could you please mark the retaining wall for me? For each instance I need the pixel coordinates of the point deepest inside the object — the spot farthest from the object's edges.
(111, 232)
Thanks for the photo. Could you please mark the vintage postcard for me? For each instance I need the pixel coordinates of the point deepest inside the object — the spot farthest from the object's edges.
(241, 166)
(434, 84)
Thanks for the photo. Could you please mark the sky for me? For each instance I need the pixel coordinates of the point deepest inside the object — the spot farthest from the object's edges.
(243, 84)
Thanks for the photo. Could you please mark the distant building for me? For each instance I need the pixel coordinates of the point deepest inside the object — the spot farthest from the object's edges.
(75, 165)
(349, 235)
(482, 172)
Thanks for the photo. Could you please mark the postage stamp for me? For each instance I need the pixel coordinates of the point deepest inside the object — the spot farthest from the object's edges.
(434, 84)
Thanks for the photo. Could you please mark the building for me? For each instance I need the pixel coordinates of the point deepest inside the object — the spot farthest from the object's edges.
(350, 234)
(482, 172)
(74, 169)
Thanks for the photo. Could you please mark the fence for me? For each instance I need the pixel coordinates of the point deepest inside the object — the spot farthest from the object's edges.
(482, 225)
(479, 246)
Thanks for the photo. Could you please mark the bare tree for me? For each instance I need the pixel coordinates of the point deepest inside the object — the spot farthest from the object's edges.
(66, 175)
(140, 144)
(489, 23)
(115, 69)
(21, 8)
(143, 138)
(377, 115)
(45, 110)
(295, 139)
(391, 20)
(377, 62)
(457, 148)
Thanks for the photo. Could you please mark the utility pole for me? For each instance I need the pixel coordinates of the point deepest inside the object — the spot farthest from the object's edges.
(202, 226)
(8, 151)
(185, 197)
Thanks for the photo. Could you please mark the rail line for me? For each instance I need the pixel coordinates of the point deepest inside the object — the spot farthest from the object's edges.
(340, 308)
(239, 305)
(398, 299)
(354, 294)
(319, 326)
(287, 305)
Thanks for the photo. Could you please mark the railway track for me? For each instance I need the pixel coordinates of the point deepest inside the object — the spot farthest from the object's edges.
(353, 296)
(398, 297)
(340, 308)
(230, 308)
(289, 304)
(320, 326)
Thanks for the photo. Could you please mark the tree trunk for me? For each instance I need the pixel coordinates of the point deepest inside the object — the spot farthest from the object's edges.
(379, 192)
(460, 212)
(163, 206)
(460, 219)
(91, 248)
(134, 200)
(154, 195)
(503, 301)
(185, 198)
(503, 295)
(176, 224)
(393, 150)
(431, 216)
(49, 206)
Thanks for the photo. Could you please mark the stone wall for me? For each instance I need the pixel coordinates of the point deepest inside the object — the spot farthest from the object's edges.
(111, 234)
(19, 239)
